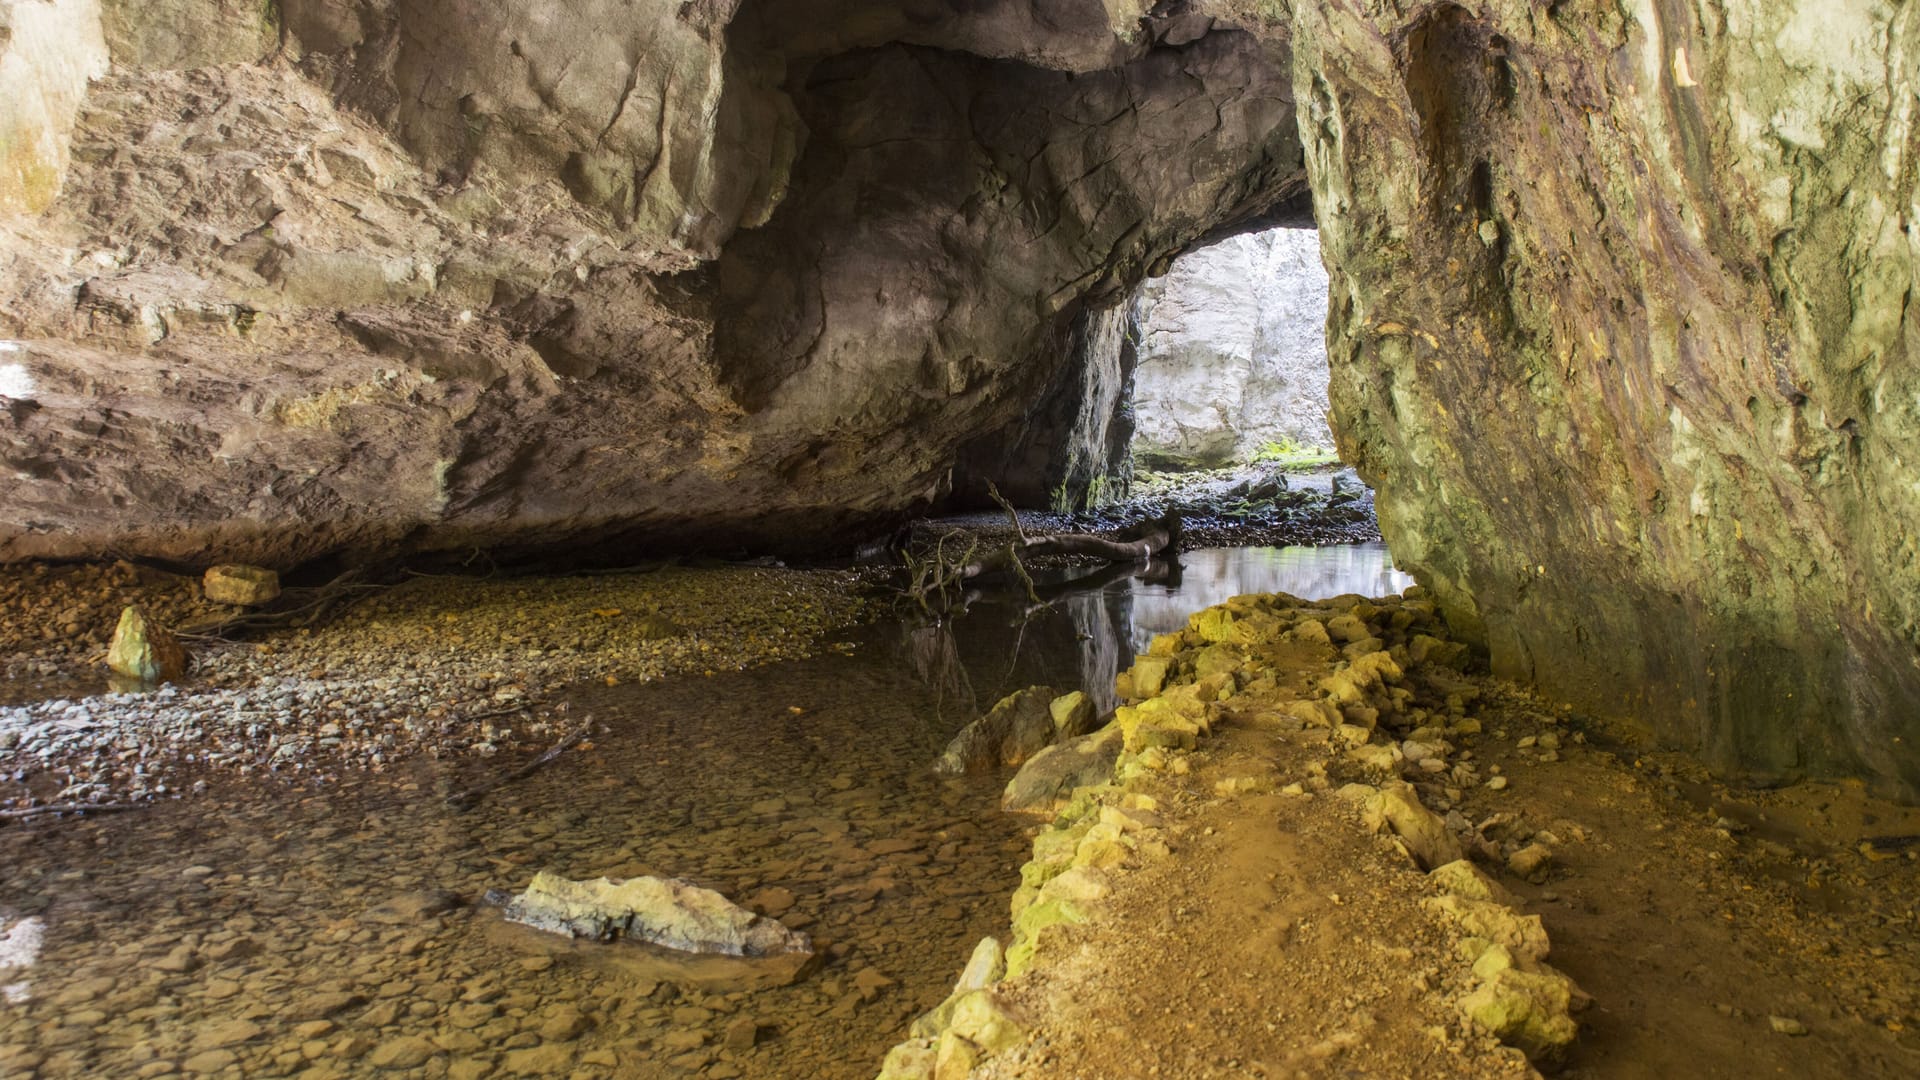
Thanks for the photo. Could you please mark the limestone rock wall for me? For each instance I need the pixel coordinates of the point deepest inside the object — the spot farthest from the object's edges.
(1233, 352)
(1624, 338)
(361, 276)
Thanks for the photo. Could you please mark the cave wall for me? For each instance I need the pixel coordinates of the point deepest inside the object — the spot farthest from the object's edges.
(1623, 335)
(1621, 322)
(358, 276)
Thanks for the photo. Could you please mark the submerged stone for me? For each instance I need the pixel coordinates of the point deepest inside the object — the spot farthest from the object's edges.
(668, 912)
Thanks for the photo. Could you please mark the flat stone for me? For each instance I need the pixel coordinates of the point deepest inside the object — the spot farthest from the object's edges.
(210, 1061)
(405, 1052)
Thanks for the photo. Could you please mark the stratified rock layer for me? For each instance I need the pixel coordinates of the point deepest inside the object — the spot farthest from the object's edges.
(430, 276)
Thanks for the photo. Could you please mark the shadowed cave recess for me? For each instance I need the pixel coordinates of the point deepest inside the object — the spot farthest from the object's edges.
(1621, 323)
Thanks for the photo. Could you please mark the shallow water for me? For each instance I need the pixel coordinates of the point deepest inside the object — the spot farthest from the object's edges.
(264, 931)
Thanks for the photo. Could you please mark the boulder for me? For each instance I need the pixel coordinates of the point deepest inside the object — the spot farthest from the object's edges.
(1528, 1010)
(245, 586)
(144, 650)
(1050, 778)
(1018, 726)
(984, 968)
(1073, 715)
(669, 912)
(1398, 806)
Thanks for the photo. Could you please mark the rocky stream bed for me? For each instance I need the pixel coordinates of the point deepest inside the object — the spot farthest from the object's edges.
(1245, 898)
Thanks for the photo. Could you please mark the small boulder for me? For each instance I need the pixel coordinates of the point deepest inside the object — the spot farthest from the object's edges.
(245, 586)
(1425, 834)
(1018, 726)
(1533, 862)
(1527, 1010)
(984, 968)
(1050, 778)
(144, 650)
(1073, 715)
(1147, 676)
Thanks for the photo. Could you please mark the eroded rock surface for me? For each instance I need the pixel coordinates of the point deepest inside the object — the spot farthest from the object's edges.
(1621, 326)
(1623, 338)
(432, 276)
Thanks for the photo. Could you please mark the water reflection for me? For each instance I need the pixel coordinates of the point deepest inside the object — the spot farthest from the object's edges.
(1214, 575)
(1089, 624)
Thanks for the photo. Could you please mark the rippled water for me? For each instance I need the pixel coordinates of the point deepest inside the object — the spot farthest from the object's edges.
(261, 931)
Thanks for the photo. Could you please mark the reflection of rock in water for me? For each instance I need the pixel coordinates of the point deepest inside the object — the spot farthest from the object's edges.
(1214, 575)
(1004, 642)
(1101, 620)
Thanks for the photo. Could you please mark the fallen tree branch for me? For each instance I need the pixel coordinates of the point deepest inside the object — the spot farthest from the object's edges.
(294, 608)
(468, 799)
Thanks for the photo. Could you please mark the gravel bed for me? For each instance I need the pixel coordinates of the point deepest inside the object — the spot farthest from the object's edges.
(436, 666)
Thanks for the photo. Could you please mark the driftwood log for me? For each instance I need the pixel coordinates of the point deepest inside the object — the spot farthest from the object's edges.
(1136, 544)
(958, 559)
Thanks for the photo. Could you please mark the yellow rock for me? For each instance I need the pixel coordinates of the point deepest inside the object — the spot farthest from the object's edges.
(144, 650)
(246, 586)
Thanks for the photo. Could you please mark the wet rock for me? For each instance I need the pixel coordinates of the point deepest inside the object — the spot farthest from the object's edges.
(552, 1059)
(1017, 727)
(773, 901)
(985, 966)
(229, 1033)
(741, 1035)
(1053, 774)
(564, 1023)
(414, 907)
(912, 1060)
(244, 586)
(406, 1052)
(663, 911)
(208, 1062)
(144, 650)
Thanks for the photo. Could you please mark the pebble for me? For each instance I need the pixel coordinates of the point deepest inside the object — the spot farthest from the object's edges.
(1786, 1025)
(410, 670)
(405, 1052)
(1496, 783)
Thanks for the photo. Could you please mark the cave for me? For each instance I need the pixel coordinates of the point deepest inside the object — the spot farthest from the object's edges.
(484, 428)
